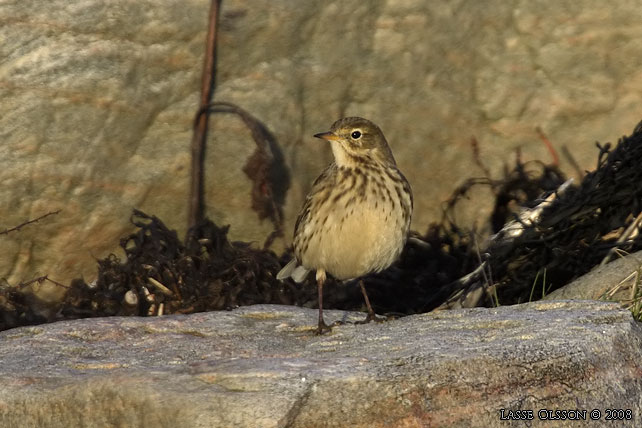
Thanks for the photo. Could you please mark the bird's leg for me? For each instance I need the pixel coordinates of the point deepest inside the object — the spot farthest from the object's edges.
(323, 327)
(371, 313)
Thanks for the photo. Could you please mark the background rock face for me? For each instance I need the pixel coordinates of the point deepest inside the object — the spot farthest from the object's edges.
(262, 366)
(97, 100)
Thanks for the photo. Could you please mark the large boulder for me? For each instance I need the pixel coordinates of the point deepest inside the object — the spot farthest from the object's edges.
(262, 366)
(98, 100)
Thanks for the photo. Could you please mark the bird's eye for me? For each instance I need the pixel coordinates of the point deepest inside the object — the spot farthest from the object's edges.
(356, 135)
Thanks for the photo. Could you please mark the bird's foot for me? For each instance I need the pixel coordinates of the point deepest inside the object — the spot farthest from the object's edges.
(323, 328)
(372, 317)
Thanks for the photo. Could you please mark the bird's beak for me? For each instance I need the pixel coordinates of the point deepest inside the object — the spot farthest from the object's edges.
(329, 136)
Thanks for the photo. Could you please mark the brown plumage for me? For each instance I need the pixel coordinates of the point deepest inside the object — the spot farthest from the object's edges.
(355, 220)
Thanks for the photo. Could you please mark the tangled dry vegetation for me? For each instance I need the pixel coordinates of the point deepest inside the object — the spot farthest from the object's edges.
(559, 235)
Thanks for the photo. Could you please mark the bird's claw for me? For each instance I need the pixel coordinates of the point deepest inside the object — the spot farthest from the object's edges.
(323, 328)
(371, 317)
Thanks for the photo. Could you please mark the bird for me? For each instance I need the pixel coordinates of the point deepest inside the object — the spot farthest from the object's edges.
(356, 218)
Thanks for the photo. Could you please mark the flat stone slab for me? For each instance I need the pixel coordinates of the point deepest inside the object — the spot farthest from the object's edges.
(262, 366)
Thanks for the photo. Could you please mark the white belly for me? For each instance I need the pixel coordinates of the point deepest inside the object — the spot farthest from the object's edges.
(357, 241)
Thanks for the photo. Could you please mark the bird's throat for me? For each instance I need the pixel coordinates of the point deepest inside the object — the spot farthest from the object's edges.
(341, 157)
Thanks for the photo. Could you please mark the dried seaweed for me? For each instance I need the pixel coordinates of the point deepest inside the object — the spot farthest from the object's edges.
(20, 307)
(579, 229)
(574, 233)
(208, 272)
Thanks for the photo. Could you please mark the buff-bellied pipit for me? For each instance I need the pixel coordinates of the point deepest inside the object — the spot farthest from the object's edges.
(355, 220)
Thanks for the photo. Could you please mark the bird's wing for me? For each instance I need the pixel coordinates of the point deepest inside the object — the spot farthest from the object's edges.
(322, 183)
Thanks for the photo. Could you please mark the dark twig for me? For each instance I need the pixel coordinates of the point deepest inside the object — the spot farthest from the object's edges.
(18, 227)
(196, 201)
(40, 280)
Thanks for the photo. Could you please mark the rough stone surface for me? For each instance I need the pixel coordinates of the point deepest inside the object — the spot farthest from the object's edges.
(98, 99)
(613, 281)
(262, 366)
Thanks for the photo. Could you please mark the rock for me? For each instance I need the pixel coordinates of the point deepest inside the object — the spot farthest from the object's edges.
(262, 366)
(613, 281)
(98, 100)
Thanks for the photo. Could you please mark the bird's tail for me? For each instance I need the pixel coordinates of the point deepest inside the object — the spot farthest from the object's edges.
(294, 271)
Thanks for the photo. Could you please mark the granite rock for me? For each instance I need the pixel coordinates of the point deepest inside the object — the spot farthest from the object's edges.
(262, 366)
(98, 100)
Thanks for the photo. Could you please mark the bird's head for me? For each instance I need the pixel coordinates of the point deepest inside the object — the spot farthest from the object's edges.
(354, 139)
